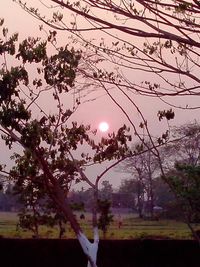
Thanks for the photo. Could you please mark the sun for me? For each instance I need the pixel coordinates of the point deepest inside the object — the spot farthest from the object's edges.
(103, 126)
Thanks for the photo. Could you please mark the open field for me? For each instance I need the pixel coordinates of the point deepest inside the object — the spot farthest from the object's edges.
(131, 228)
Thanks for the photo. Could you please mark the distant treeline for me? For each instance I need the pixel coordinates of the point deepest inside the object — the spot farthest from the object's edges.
(124, 199)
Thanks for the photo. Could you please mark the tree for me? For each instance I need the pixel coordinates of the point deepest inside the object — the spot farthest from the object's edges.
(165, 48)
(185, 183)
(181, 169)
(142, 168)
(128, 192)
(164, 197)
(104, 205)
(164, 51)
(166, 204)
(105, 193)
(1, 182)
(186, 145)
(105, 217)
(166, 41)
(48, 140)
(36, 207)
(8, 201)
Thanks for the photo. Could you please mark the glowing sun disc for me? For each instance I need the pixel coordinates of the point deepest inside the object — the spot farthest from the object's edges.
(103, 126)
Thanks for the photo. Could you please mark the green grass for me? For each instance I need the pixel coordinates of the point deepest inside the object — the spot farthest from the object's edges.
(131, 228)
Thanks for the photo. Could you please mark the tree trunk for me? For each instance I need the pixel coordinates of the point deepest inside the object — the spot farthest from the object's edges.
(58, 196)
(90, 249)
(140, 201)
(61, 229)
(151, 196)
(35, 220)
(140, 195)
(195, 234)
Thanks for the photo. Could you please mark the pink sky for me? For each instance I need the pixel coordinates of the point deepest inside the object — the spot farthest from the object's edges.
(102, 109)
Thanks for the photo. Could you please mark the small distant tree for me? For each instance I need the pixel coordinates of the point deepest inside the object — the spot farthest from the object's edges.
(185, 183)
(106, 191)
(105, 217)
(130, 195)
(142, 168)
(163, 194)
(81, 199)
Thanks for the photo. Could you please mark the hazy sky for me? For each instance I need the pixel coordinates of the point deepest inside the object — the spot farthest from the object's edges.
(102, 109)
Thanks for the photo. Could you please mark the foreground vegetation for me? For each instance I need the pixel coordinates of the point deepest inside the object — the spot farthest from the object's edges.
(131, 228)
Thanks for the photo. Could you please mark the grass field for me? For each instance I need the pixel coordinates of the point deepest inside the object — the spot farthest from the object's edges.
(132, 227)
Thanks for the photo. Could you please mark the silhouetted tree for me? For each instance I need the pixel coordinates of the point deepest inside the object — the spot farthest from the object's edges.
(46, 163)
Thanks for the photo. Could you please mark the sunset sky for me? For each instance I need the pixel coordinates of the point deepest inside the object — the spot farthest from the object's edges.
(103, 108)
